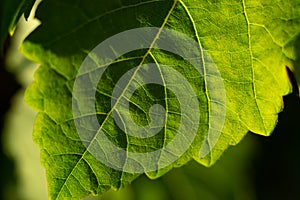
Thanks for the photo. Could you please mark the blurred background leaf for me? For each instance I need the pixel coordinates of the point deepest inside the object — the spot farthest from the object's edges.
(10, 13)
(20, 166)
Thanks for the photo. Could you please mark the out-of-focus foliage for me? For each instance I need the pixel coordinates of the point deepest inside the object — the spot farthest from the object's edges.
(10, 13)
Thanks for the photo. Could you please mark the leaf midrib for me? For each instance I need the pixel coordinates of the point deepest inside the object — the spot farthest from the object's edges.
(109, 113)
(204, 65)
(252, 64)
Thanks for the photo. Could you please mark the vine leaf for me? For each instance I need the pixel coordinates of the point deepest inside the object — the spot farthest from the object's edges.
(250, 42)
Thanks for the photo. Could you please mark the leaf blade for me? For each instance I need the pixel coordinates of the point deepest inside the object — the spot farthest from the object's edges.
(231, 41)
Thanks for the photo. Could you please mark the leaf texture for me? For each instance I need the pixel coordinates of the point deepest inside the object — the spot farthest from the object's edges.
(250, 42)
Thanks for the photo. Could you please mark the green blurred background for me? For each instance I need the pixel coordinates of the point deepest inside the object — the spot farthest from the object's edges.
(258, 168)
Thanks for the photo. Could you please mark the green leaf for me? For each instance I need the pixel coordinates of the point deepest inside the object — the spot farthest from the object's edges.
(248, 42)
(11, 11)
